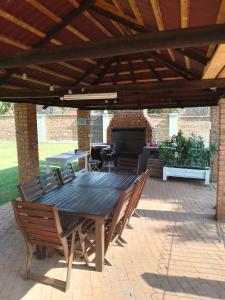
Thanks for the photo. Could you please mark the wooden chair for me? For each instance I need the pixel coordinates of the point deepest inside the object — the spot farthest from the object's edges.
(66, 174)
(41, 226)
(31, 190)
(112, 225)
(127, 165)
(50, 181)
(137, 195)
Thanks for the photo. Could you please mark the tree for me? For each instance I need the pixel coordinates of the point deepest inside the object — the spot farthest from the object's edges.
(4, 107)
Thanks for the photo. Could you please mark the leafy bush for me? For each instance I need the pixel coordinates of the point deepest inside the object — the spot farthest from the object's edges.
(180, 151)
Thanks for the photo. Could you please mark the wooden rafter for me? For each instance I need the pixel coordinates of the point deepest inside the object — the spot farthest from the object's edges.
(131, 70)
(145, 42)
(158, 86)
(118, 17)
(102, 73)
(88, 72)
(220, 20)
(187, 74)
(134, 7)
(193, 54)
(159, 20)
(66, 20)
(184, 11)
(151, 69)
(53, 32)
(116, 74)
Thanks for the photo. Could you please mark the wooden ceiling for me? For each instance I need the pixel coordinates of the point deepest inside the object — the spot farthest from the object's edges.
(48, 24)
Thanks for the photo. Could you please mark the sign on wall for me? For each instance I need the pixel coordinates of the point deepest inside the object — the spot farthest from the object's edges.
(81, 121)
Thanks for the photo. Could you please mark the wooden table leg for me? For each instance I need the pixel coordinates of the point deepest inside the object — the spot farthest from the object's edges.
(100, 244)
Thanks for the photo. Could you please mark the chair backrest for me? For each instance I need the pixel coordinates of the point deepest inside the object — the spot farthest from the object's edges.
(31, 190)
(119, 213)
(40, 225)
(128, 165)
(66, 174)
(50, 181)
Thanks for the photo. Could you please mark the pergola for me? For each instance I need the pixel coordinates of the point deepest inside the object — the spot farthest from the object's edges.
(152, 53)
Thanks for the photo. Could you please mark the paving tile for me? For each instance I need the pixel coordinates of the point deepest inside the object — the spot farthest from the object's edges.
(173, 253)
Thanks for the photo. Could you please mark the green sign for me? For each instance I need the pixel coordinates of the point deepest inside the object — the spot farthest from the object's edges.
(82, 121)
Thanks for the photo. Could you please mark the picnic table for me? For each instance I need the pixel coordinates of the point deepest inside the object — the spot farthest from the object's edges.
(93, 195)
(67, 157)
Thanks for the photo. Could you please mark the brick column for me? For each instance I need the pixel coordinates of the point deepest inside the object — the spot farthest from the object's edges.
(83, 133)
(27, 141)
(214, 132)
(220, 205)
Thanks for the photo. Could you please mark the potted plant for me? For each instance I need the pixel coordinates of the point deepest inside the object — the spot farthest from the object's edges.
(186, 157)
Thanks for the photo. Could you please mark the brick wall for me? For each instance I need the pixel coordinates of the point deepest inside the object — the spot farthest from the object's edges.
(197, 125)
(7, 128)
(160, 125)
(61, 128)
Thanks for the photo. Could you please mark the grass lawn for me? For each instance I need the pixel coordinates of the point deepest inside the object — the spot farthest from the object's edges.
(9, 165)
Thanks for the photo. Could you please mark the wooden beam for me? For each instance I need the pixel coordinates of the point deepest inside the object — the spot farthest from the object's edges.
(131, 70)
(167, 86)
(184, 11)
(148, 64)
(53, 32)
(220, 20)
(115, 78)
(159, 20)
(120, 18)
(177, 38)
(65, 21)
(174, 66)
(193, 54)
(136, 12)
(216, 64)
(88, 72)
(104, 71)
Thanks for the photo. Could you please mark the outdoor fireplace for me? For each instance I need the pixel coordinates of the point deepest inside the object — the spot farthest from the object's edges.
(128, 140)
(129, 131)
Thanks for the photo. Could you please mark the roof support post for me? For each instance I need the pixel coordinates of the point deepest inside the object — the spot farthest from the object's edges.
(27, 141)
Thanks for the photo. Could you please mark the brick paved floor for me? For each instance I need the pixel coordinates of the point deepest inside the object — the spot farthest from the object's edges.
(173, 253)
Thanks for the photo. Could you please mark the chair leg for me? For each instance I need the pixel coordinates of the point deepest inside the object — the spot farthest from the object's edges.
(29, 260)
(70, 261)
(82, 243)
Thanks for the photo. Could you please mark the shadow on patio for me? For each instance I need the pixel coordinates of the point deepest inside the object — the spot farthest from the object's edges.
(182, 243)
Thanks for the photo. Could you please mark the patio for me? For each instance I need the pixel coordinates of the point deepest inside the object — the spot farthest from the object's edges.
(173, 253)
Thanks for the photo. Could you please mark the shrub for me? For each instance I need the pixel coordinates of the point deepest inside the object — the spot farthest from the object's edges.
(180, 151)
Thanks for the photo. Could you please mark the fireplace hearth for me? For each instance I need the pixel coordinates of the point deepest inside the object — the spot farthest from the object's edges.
(128, 141)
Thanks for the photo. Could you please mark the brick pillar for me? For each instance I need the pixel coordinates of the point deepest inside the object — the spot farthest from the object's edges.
(83, 133)
(27, 141)
(220, 205)
(214, 132)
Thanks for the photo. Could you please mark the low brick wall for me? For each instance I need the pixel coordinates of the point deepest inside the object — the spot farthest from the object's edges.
(7, 128)
(160, 125)
(64, 127)
(61, 128)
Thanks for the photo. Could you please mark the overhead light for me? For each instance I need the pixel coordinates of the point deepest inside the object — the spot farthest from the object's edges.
(97, 96)
(70, 92)
(51, 88)
(24, 76)
(106, 101)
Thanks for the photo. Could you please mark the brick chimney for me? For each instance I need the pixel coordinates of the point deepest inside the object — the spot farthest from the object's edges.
(130, 119)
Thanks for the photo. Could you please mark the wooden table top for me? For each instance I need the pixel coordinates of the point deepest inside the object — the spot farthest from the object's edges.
(96, 198)
(106, 180)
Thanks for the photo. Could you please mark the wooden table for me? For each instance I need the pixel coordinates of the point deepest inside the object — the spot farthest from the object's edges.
(67, 157)
(92, 195)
